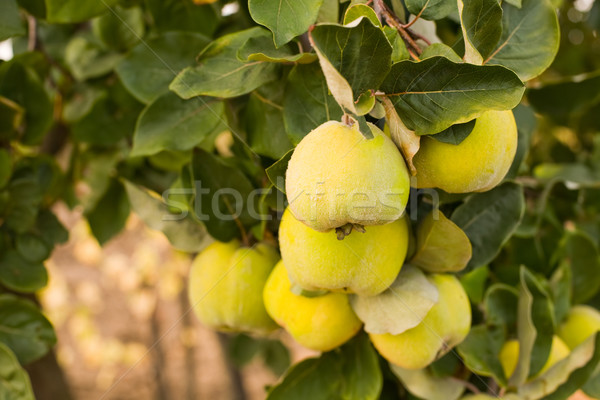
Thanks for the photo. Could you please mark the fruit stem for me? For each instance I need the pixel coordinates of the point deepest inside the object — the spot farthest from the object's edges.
(346, 230)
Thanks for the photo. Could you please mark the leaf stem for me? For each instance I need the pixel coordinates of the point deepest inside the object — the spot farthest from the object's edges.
(392, 20)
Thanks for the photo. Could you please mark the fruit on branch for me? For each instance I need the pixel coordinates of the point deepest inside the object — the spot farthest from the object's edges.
(509, 355)
(337, 176)
(445, 326)
(362, 263)
(581, 322)
(320, 323)
(226, 284)
(477, 164)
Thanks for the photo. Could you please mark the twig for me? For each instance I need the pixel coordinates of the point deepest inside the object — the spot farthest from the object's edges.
(467, 384)
(392, 20)
(31, 34)
(406, 26)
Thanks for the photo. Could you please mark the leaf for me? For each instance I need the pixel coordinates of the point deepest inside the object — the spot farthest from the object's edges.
(264, 122)
(500, 304)
(431, 9)
(581, 254)
(480, 349)
(110, 214)
(11, 118)
(562, 100)
(183, 233)
(24, 329)
(50, 229)
(14, 381)
(440, 50)
(121, 28)
(489, 219)
(307, 102)
(567, 375)
(149, 67)
(171, 123)
(423, 384)
(87, 59)
(32, 247)
(399, 308)
(561, 289)
(573, 175)
(357, 11)
(530, 38)
(352, 372)
(10, 20)
(184, 15)
(474, 283)
(222, 195)
(481, 22)
(21, 85)
(286, 19)
(276, 172)
(436, 93)
(441, 245)
(220, 73)
(405, 139)
(20, 275)
(526, 125)
(261, 48)
(456, 133)
(399, 50)
(535, 328)
(71, 11)
(354, 59)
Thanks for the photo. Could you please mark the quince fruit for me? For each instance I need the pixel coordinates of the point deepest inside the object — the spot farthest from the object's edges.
(509, 355)
(581, 322)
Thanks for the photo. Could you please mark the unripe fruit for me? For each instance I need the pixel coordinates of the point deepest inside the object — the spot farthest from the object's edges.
(337, 176)
(362, 263)
(581, 322)
(320, 323)
(509, 355)
(445, 326)
(226, 284)
(477, 164)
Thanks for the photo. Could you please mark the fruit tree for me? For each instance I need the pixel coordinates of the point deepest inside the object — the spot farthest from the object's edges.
(410, 188)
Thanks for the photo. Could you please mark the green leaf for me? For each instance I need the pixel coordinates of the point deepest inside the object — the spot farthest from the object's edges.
(71, 11)
(50, 229)
(220, 73)
(460, 92)
(149, 67)
(441, 245)
(261, 48)
(500, 304)
(561, 101)
(399, 50)
(5, 167)
(561, 289)
(352, 372)
(32, 247)
(11, 118)
(14, 381)
(530, 38)
(307, 102)
(183, 233)
(10, 20)
(431, 9)
(489, 219)
(24, 329)
(329, 11)
(440, 50)
(264, 122)
(474, 283)
(355, 59)
(286, 19)
(121, 28)
(21, 85)
(20, 275)
(481, 22)
(574, 174)
(276, 356)
(566, 376)
(581, 254)
(87, 59)
(423, 384)
(184, 15)
(456, 133)
(223, 193)
(480, 349)
(399, 308)
(276, 172)
(361, 10)
(110, 214)
(526, 124)
(535, 328)
(171, 123)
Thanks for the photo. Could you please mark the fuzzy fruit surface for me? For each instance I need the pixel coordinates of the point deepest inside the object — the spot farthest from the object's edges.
(445, 326)
(337, 176)
(477, 164)
(509, 355)
(581, 322)
(320, 323)
(362, 263)
(226, 284)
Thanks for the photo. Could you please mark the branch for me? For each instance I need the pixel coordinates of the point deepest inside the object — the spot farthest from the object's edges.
(392, 20)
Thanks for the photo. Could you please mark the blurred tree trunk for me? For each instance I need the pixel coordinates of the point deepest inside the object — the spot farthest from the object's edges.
(48, 379)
